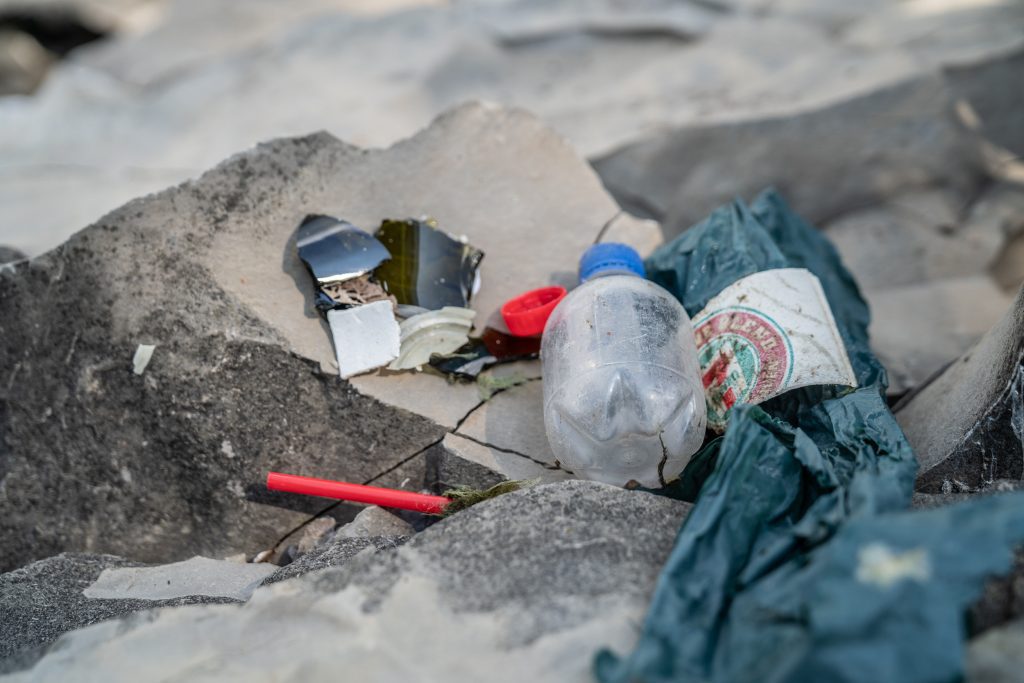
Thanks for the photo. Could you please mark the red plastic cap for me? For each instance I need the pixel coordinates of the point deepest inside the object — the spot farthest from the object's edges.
(527, 313)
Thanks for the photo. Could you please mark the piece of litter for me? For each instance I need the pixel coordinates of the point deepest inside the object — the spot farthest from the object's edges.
(505, 346)
(357, 493)
(143, 354)
(335, 250)
(765, 334)
(437, 332)
(428, 267)
(488, 386)
(879, 564)
(466, 362)
(365, 337)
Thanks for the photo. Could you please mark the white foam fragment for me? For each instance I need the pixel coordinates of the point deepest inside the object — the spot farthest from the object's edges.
(143, 354)
(365, 337)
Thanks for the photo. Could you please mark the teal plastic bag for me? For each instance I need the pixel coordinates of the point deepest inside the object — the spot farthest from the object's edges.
(766, 581)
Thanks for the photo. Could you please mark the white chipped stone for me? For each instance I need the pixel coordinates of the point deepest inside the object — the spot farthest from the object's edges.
(365, 337)
(374, 521)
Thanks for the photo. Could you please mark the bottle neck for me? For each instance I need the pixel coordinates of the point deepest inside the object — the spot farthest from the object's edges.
(611, 271)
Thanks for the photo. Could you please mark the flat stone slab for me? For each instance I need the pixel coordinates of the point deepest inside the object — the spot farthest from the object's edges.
(170, 463)
(197, 576)
(42, 601)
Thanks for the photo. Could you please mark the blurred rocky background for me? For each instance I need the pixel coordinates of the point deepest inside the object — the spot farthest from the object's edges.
(893, 125)
(896, 127)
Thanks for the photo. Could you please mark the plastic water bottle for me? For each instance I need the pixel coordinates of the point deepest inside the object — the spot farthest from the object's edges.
(623, 399)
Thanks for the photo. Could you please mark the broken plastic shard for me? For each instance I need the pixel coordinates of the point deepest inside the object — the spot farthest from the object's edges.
(505, 346)
(494, 347)
(439, 332)
(428, 267)
(365, 337)
(466, 362)
(488, 386)
(335, 250)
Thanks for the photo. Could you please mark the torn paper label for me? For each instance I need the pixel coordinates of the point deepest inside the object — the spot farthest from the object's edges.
(766, 334)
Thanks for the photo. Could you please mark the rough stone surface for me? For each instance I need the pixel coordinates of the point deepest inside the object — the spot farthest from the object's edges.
(996, 656)
(10, 254)
(208, 272)
(913, 238)
(197, 576)
(44, 600)
(965, 426)
(333, 552)
(374, 521)
(526, 610)
(917, 330)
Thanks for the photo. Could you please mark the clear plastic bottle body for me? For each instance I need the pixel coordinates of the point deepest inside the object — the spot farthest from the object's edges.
(623, 400)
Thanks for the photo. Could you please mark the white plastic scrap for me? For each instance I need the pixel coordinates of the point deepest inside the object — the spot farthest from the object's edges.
(440, 332)
(365, 337)
(882, 566)
(143, 354)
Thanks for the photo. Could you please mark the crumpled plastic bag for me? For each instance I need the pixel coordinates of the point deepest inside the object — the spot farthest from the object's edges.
(797, 562)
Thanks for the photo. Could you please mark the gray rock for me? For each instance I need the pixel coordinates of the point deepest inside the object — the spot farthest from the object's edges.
(161, 101)
(569, 540)
(333, 552)
(916, 330)
(374, 521)
(926, 268)
(197, 576)
(965, 426)
(825, 162)
(988, 87)
(10, 255)
(531, 583)
(23, 62)
(44, 600)
(914, 238)
(996, 656)
(169, 464)
(314, 532)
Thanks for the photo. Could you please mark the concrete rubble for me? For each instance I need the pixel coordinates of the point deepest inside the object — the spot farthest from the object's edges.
(207, 272)
(521, 608)
(157, 363)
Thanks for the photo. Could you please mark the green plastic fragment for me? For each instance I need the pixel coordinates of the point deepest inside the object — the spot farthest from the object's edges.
(487, 385)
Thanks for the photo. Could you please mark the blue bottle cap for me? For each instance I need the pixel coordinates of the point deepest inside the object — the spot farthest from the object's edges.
(610, 256)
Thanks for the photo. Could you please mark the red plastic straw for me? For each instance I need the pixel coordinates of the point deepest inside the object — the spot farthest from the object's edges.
(357, 493)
